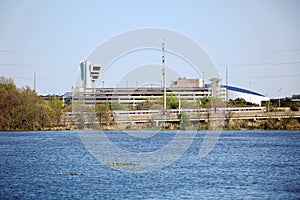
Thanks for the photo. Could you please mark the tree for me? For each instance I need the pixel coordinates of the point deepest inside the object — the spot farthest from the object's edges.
(56, 106)
(204, 102)
(44, 112)
(189, 104)
(27, 109)
(9, 103)
(103, 114)
(239, 102)
(80, 121)
(211, 102)
(118, 106)
(172, 101)
(184, 120)
(23, 109)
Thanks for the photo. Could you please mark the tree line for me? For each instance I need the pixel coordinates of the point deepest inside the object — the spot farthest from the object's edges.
(23, 109)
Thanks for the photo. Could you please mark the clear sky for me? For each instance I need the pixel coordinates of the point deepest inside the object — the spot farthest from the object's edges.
(258, 40)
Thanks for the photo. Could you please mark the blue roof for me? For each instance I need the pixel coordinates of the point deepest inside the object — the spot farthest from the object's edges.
(236, 89)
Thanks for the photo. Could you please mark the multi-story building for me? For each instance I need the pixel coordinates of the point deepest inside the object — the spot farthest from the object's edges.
(183, 88)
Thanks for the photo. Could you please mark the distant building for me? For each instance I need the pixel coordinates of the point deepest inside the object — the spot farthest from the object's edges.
(133, 96)
(248, 95)
(184, 82)
(89, 73)
(183, 88)
(296, 97)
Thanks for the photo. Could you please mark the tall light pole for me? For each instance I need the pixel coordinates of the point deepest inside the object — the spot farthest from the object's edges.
(250, 90)
(226, 91)
(164, 76)
(279, 98)
(268, 103)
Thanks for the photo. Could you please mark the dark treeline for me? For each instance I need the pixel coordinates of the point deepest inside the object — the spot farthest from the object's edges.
(23, 109)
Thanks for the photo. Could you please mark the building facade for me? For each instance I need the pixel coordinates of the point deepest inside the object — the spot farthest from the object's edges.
(183, 88)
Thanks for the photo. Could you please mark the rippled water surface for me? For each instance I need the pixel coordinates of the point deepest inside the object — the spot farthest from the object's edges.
(243, 164)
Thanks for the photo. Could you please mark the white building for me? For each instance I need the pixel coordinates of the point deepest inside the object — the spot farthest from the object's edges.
(188, 89)
(250, 96)
(89, 73)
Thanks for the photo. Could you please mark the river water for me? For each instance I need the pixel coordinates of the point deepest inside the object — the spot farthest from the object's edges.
(242, 165)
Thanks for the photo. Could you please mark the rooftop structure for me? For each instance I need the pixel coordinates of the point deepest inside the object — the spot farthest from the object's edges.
(184, 82)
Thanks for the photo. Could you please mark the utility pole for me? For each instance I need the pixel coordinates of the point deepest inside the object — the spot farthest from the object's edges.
(164, 76)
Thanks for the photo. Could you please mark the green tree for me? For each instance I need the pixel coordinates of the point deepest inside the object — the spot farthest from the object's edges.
(172, 101)
(184, 120)
(239, 102)
(211, 102)
(118, 106)
(204, 102)
(189, 104)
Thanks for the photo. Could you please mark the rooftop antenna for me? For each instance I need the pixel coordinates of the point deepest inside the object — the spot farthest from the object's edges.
(164, 76)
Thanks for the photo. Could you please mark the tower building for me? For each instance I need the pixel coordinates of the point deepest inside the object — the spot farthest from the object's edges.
(89, 73)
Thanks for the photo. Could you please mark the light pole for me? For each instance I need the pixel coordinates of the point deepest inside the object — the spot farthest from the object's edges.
(250, 90)
(268, 103)
(279, 98)
(164, 75)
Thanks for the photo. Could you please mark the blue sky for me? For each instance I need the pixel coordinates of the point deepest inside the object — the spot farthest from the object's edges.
(257, 40)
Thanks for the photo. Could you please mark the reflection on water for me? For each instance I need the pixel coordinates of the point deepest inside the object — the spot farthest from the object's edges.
(243, 164)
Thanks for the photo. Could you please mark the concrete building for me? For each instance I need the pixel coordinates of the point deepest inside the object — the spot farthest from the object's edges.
(89, 73)
(183, 88)
(184, 82)
(91, 96)
(132, 96)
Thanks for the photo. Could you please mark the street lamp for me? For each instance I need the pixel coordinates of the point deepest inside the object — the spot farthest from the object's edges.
(279, 98)
(268, 103)
(250, 91)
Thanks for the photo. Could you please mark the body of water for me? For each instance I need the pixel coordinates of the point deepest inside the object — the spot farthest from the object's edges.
(242, 165)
